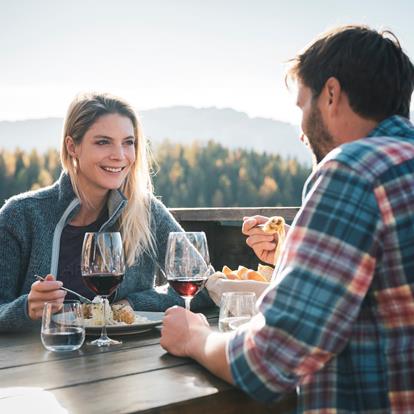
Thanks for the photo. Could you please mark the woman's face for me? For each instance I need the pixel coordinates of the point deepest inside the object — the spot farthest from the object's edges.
(106, 154)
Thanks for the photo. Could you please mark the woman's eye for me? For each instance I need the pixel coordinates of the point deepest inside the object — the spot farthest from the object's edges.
(102, 142)
(130, 142)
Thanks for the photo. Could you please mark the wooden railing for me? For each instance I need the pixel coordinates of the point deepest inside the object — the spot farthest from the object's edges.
(222, 226)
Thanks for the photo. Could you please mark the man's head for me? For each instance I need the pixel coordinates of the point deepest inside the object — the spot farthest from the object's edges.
(351, 76)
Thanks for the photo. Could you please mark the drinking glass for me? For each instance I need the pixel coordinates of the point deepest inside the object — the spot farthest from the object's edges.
(236, 309)
(103, 268)
(62, 326)
(187, 263)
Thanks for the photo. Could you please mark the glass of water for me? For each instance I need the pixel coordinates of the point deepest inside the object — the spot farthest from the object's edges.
(63, 326)
(236, 309)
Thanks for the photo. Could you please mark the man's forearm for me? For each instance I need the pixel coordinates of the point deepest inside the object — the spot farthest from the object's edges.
(209, 349)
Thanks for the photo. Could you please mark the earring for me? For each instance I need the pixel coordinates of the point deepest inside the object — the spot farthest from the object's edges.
(75, 165)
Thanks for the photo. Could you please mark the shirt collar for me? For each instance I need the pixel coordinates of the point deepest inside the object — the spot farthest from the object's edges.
(394, 126)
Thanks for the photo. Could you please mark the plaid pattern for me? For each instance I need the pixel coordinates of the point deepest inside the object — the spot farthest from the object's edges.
(340, 313)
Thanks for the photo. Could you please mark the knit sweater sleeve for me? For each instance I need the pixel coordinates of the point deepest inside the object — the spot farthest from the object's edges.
(162, 224)
(13, 314)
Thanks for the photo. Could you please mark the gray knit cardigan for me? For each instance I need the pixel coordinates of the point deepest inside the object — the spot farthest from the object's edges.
(31, 225)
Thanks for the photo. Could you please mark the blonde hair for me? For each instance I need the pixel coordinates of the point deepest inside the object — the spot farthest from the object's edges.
(134, 222)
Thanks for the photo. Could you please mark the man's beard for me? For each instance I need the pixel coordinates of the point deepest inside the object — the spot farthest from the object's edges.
(320, 140)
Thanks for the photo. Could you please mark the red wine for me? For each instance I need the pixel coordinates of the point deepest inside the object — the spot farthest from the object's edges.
(103, 283)
(187, 287)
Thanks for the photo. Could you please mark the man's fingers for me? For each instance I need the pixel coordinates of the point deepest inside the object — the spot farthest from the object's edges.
(248, 225)
(255, 239)
(264, 247)
(258, 218)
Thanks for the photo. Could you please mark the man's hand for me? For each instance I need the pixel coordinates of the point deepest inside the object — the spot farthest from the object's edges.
(263, 245)
(187, 334)
(41, 292)
(179, 328)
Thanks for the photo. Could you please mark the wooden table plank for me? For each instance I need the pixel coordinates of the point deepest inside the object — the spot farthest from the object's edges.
(173, 390)
(90, 368)
(33, 352)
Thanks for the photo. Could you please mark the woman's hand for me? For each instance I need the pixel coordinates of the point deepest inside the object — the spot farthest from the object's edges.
(263, 245)
(41, 292)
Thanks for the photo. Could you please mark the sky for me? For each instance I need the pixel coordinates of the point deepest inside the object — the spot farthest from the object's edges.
(160, 53)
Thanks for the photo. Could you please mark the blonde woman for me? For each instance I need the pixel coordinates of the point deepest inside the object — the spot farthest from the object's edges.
(105, 185)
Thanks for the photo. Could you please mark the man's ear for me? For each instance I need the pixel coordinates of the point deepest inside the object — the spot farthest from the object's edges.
(331, 93)
(70, 146)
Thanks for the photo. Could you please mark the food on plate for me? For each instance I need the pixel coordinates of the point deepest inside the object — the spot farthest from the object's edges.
(276, 225)
(123, 313)
(114, 314)
(262, 274)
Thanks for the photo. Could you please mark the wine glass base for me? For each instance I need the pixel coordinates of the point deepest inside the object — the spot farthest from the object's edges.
(100, 342)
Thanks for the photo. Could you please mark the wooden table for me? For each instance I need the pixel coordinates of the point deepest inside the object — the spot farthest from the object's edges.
(136, 377)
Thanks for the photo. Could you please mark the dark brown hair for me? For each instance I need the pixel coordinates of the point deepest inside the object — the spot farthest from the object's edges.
(372, 68)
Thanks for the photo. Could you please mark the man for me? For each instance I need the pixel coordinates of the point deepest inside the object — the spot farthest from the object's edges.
(337, 322)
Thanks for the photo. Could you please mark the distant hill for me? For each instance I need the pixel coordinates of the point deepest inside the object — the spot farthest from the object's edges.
(182, 124)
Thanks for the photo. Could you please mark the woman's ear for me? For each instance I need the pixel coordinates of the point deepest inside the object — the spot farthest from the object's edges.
(70, 146)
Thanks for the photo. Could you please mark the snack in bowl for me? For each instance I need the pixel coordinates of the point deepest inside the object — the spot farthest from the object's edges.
(276, 225)
(262, 274)
(240, 280)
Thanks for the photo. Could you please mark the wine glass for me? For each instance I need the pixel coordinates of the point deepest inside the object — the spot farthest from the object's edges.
(103, 268)
(236, 309)
(187, 263)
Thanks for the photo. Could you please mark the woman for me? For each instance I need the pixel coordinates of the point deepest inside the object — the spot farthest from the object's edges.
(105, 185)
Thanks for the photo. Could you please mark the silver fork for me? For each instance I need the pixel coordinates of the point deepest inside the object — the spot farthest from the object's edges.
(82, 298)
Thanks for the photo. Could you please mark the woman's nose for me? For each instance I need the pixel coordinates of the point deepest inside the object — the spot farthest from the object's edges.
(117, 152)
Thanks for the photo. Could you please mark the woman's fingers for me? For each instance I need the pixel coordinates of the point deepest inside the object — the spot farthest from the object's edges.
(42, 292)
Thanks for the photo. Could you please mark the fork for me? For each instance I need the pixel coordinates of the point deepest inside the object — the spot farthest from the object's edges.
(82, 298)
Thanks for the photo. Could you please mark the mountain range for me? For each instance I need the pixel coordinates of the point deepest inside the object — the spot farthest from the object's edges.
(182, 124)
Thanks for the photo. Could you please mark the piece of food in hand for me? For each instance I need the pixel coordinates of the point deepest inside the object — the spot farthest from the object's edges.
(276, 225)
(265, 271)
(123, 313)
(254, 275)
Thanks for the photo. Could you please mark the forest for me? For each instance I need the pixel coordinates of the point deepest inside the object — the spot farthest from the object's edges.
(194, 175)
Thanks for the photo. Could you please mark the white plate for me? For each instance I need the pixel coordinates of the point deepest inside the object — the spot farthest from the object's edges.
(154, 319)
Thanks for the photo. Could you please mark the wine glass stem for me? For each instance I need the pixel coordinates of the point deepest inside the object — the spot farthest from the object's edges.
(187, 301)
(103, 332)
